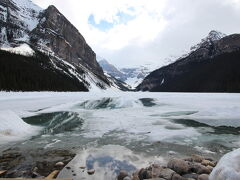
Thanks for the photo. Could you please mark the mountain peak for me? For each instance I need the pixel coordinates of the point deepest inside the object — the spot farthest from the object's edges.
(103, 61)
(205, 42)
(215, 35)
(52, 8)
(213, 64)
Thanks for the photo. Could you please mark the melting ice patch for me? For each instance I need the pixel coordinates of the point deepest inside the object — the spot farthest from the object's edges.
(183, 120)
(56, 122)
(110, 103)
(130, 118)
(13, 128)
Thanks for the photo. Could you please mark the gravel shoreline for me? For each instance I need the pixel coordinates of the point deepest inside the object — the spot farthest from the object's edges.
(35, 163)
(40, 163)
(193, 168)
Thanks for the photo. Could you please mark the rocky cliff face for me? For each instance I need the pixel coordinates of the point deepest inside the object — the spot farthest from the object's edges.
(211, 66)
(48, 31)
(17, 19)
(59, 37)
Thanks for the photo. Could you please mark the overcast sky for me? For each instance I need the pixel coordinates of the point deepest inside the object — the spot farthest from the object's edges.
(136, 32)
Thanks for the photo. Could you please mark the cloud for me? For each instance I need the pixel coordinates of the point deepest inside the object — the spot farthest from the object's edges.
(134, 32)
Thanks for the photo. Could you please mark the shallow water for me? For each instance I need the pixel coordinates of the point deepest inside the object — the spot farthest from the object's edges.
(114, 131)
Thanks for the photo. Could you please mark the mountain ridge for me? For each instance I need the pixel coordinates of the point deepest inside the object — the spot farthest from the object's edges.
(207, 59)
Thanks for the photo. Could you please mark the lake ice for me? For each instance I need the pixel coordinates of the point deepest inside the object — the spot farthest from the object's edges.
(117, 130)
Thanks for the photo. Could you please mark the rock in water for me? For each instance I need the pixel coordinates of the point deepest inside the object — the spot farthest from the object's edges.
(91, 171)
(59, 164)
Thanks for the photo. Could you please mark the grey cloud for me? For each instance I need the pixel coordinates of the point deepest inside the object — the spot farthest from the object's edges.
(189, 22)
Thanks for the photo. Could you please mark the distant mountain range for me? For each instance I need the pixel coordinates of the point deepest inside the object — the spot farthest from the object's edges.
(131, 76)
(30, 33)
(211, 66)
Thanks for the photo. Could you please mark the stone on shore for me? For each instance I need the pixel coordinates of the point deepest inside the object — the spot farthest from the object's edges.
(127, 178)
(197, 158)
(135, 177)
(122, 175)
(207, 163)
(191, 176)
(157, 179)
(203, 177)
(177, 177)
(178, 165)
(144, 174)
(194, 168)
(199, 168)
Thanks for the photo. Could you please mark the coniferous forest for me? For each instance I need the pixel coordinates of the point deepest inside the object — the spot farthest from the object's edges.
(35, 73)
(218, 74)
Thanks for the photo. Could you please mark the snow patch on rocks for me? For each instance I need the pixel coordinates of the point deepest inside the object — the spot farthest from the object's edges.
(23, 49)
(228, 167)
(28, 13)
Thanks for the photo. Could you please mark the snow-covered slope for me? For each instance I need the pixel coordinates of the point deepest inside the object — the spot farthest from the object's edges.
(22, 49)
(205, 43)
(27, 14)
(132, 76)
(135, 75)
(26, 28)
(18, 18)
(212, 37)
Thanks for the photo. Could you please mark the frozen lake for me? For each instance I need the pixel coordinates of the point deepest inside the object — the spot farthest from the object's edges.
(115, 131)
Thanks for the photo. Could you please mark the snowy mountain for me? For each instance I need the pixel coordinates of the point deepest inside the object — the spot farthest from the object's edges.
(132, 76)
(212, 37)
(27, 29)
(110, 69)
(211, 66)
